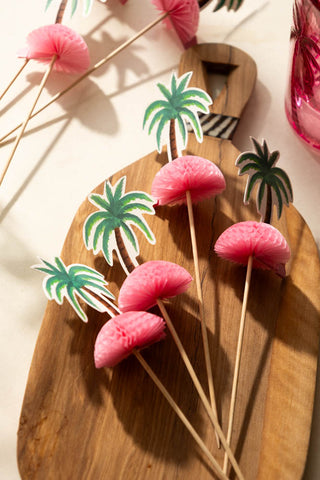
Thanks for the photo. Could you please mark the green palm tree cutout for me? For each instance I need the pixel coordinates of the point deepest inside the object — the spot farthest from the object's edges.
(110, 228)
(275, 187)
(74, 281)
(230, 4)
(180, 105)
(87, 5)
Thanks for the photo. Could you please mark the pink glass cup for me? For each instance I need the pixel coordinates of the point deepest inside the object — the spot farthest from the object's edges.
(302, 101)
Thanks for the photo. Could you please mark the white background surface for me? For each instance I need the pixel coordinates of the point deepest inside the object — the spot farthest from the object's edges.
(97, 129)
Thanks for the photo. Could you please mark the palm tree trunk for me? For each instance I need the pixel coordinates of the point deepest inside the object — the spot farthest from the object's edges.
(104, 302)
(123, 251)
(173, 140)
(267, 217)
(61, 10)
(202, 3)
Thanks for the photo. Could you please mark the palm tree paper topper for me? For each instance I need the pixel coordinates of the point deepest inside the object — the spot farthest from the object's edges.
(74, 281)
(110, 228)
(181, 105)
(275, 186)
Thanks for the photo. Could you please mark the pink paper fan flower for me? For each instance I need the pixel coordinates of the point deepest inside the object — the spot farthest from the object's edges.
(265, 243)
(70, 48)
(183, 17)
(120, 335)
(152, 281)
(200, 176)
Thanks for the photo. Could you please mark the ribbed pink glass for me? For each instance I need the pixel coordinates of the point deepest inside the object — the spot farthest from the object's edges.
(302, 102)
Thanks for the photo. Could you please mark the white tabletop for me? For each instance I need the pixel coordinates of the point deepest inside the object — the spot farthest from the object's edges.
(97, 129)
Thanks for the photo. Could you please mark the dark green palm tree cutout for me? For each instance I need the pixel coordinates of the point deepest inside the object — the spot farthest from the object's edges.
(110, 228)
(230, 4)
(180, 105)
(74, 281)
(275, 187)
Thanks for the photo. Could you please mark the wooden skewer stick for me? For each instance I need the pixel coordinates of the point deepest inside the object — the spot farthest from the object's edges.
(14, 78)
(181, 415)
(93, 69)
(16, 143)
(238, 357)
(176, 408)
(199, 388)
(201, 309)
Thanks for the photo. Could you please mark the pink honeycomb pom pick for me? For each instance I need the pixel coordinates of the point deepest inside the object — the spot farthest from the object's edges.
(183, 17)
(262, 241)
(189, 179)
(125, 332)
(59, 40)
(257, 245)
(71, 51)
(60, 47)
(152, 281)
(199, 176)
(64, 44)
(145, 287)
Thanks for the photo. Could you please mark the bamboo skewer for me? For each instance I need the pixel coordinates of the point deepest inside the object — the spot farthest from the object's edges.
(238, 358)
(175, 406)
(204, 331)
(199, 388)
(181, 415)
(24, 125)
(14, 78)
(93, 69)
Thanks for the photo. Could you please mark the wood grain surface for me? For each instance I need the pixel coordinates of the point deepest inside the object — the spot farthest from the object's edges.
(78, 422)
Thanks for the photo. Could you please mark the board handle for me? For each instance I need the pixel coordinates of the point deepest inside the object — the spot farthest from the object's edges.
(241, 71)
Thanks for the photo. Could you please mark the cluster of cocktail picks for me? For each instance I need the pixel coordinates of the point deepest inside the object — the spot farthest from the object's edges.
(183, 180)
(64, 50)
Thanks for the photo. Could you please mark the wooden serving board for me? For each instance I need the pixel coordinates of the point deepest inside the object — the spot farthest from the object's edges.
(81, 423)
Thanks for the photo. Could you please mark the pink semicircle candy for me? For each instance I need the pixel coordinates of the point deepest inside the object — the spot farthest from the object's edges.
(120, 335)
(264, 242)
(188, 173)
(56, 39)
(183, 17)
(151, 281)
